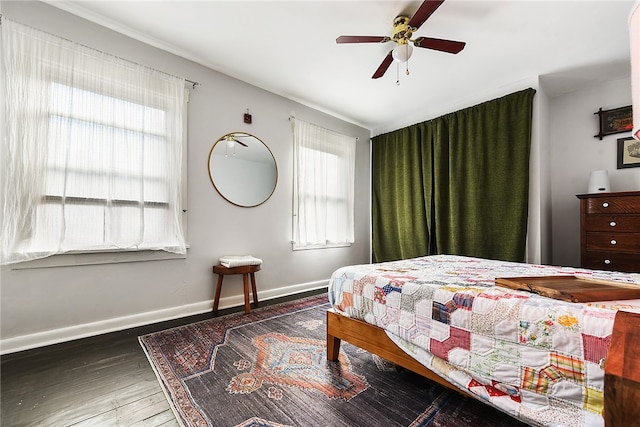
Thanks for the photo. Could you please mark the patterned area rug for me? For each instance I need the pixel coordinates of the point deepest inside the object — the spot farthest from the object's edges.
(269, 368)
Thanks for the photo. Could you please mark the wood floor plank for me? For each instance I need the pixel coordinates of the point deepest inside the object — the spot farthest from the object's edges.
(162, 419)
(143, 412)
(98, 381)
(94, 383)
(76, 394)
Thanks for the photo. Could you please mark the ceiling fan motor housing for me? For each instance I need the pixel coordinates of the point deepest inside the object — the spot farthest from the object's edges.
(401, 29)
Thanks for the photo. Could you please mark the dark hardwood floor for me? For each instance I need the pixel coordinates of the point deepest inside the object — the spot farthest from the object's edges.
(98, 381)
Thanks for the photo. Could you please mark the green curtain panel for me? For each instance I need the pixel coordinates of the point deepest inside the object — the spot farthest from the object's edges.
(457, 184)
(398, 198)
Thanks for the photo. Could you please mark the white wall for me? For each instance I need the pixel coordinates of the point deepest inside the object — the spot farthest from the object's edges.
(538, 242)
(45, 305)
(575, 153)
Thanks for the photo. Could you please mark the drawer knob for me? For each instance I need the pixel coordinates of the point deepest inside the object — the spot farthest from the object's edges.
(605, 205)
(607, 261)
(613, 241)
(613, 223)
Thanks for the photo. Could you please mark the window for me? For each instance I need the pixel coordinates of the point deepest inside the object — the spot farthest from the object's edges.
(93, 147)
(324, 163)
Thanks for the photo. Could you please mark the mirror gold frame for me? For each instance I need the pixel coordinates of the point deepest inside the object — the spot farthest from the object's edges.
(242, 169)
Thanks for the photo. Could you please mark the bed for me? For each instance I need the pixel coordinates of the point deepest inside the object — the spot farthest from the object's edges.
(538, 359)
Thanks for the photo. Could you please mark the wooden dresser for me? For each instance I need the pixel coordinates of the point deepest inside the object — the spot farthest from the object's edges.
(610, 231)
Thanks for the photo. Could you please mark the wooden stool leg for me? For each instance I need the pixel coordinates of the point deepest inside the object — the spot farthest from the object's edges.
(216, 300)
(247, 305)
(253, 288)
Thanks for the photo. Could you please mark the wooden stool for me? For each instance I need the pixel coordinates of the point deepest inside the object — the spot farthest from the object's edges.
(246, 271)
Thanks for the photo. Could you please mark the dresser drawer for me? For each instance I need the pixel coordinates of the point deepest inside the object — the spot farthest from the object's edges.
(603, 205)
(616, 261)
(613, 223)
(626, 242)
(610, 231)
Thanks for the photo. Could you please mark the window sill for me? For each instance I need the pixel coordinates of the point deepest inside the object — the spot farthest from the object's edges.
(309, 247)
(97, 258)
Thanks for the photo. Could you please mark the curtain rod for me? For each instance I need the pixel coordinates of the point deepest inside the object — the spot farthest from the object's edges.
(193, 83)
(292, 118)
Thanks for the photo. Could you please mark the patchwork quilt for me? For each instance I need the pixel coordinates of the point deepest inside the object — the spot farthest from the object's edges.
(536, 358)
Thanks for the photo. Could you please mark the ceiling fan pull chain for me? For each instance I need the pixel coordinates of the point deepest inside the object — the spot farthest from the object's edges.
(398, 73)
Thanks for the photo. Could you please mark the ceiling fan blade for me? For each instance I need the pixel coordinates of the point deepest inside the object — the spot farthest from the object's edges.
(362, 39)
(449, 46)
(423, 13)
(240, 142)
(384, 66)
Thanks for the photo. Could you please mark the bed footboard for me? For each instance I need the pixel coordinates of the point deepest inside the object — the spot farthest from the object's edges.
(376, 341)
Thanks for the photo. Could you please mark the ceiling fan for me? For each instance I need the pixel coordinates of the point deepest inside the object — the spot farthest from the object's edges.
(403, 29)
(231, 138)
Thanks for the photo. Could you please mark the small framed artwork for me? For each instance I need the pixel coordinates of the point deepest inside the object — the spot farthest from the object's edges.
(614, 121)
(628, 153)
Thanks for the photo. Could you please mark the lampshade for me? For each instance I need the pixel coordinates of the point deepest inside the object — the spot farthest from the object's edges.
(599, 182)
(230, 143)
(402, 52)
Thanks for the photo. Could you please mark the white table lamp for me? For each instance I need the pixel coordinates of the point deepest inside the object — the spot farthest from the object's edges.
(599, 182)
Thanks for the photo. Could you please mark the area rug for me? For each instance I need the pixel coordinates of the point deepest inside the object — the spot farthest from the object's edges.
(268, 368)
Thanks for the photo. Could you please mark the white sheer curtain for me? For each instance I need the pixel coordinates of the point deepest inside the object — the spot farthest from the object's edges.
(92, 155)
(324, 163)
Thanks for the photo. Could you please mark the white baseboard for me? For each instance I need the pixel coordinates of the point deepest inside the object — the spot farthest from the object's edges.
(55, 336)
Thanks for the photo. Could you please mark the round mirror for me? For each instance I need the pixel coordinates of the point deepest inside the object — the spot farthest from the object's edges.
(242, 169)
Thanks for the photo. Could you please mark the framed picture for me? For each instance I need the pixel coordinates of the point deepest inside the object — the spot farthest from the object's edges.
(614, 121)
(628, 153)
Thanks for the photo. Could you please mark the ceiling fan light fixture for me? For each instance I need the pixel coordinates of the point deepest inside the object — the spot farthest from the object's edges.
(402, 52)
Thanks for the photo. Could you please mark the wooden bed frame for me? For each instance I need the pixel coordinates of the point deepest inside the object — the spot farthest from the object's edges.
(622, 367)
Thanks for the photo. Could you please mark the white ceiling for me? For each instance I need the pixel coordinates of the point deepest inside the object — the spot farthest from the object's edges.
(289, 48)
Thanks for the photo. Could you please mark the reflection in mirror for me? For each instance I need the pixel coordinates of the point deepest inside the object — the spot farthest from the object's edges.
(242, 169)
